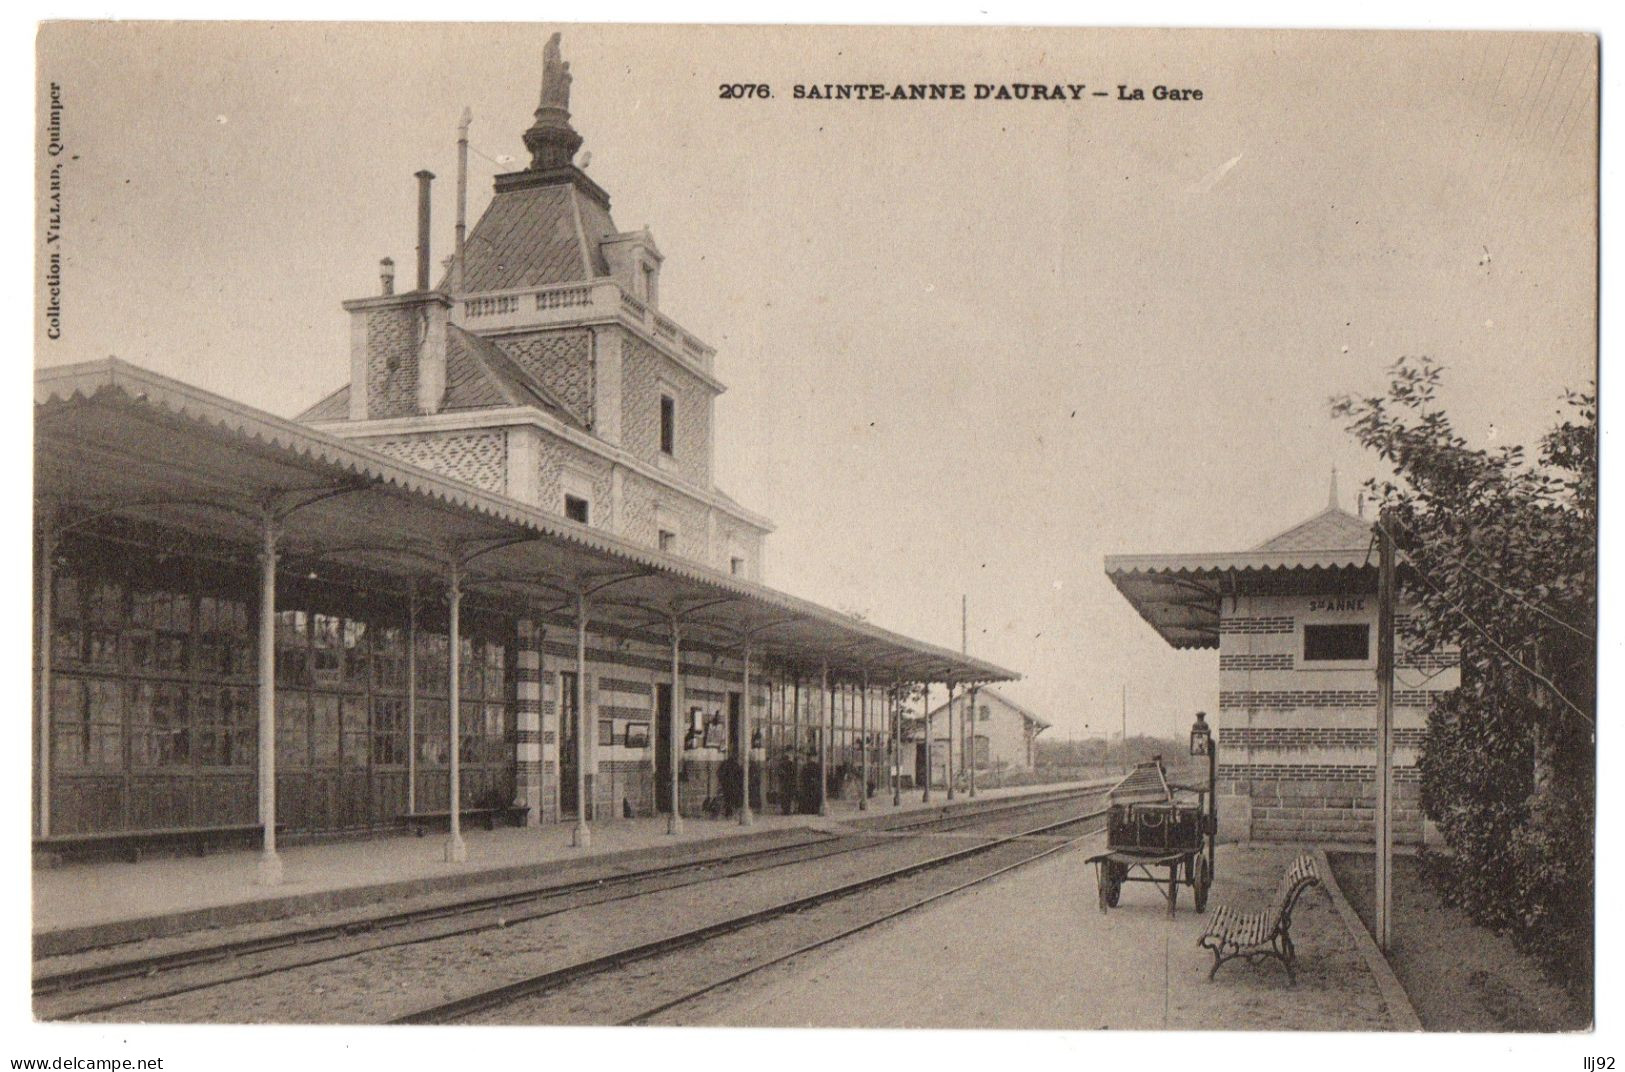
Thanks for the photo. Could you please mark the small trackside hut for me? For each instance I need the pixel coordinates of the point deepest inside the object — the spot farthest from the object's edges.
(1295, 623)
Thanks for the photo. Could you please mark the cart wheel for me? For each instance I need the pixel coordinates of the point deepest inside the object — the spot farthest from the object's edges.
(1111, 884)
(1202, 879)
(1173, 890)
(1104, 882)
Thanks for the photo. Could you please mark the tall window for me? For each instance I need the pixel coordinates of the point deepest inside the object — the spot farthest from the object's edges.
(668, 425)
(575, 508)
(736, 566)
(668, 541)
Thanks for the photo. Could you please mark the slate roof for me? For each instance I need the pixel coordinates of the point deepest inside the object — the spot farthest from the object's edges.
(1179, 594)
(1001, 698)
(153, 426)
(335, 407)
(479, 375)
(536, 236)
(1332, 529)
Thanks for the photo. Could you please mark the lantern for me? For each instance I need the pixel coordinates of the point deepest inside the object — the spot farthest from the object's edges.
(1201, 735)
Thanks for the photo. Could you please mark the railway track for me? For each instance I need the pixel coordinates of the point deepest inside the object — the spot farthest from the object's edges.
(99, 989)
(682, 967)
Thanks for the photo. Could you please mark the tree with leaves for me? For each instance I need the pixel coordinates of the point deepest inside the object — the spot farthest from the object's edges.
(1498, 554)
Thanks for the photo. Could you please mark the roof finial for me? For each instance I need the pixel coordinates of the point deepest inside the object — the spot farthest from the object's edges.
(551, 140)
(1331, 499)
(555, 76)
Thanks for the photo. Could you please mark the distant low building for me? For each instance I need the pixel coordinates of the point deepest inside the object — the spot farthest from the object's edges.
(1003, 733)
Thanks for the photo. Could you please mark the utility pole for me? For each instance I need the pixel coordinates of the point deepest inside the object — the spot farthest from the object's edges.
(1125, 727)
(1385, 733)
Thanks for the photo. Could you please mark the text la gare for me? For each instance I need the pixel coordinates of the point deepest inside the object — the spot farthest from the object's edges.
(1162, 93)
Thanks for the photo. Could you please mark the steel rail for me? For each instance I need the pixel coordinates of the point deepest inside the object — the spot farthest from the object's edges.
(650, 1013)
(100, 974)
(996, 807)
(162, 963)
(549, 980)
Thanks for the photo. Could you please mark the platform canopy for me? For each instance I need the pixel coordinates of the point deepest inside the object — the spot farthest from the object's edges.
(118, 445)
(1179, 595)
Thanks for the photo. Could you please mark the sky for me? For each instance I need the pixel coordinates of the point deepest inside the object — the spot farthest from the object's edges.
(971, 347)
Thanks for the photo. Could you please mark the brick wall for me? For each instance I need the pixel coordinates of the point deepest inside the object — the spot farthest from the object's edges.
(1312, 737)
(532, 787)
(1291, 699)
(640, 499)
(1257, 625)
(1297, 739)
(642, 367)
(479, 457)
(562, 361)
(392, 362)
(554, 455)
(622, 686)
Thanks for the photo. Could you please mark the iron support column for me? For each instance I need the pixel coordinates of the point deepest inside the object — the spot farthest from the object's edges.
(925, 718)
(863, 746)
(674, 820)
(270, 864)
(896, 706)
(970, 741)
(948, 714)
(826, 719)
(47, 582)
(745, 738)
(456, 850)
(582, 837)
(795, 747)
(412, 699)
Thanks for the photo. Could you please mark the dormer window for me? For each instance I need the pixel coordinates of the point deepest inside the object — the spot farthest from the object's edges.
(648, 284)
(576, 509)
(668, 425)
(736, 566)
(668, 541)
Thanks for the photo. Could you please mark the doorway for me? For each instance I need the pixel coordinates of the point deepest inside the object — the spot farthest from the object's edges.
(569, 754)
(662, 749)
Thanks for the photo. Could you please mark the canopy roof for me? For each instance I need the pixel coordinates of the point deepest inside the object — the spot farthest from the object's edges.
(1179, 594)
(119, 443)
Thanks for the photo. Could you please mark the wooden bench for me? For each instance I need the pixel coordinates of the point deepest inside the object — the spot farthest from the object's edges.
(1266, 933)
(130, 844)
(420, 821)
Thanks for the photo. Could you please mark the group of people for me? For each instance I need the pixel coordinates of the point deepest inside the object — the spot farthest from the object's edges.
(794, 785)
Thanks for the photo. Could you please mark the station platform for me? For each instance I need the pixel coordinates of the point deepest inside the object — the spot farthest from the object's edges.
(1033, 950)
(83, 905)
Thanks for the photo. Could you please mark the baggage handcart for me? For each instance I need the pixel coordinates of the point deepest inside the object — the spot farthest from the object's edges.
(1153, 827)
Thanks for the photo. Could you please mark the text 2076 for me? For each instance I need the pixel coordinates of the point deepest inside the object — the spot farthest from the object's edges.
(743, 90)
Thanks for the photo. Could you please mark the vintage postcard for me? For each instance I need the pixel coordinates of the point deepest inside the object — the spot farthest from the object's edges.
(813, 526)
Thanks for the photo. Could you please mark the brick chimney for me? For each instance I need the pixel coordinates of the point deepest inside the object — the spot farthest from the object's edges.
(398, 341)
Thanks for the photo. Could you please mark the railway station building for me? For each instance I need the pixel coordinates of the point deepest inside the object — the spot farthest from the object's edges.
(1294, 620)
(490, 574)
(999, 733)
